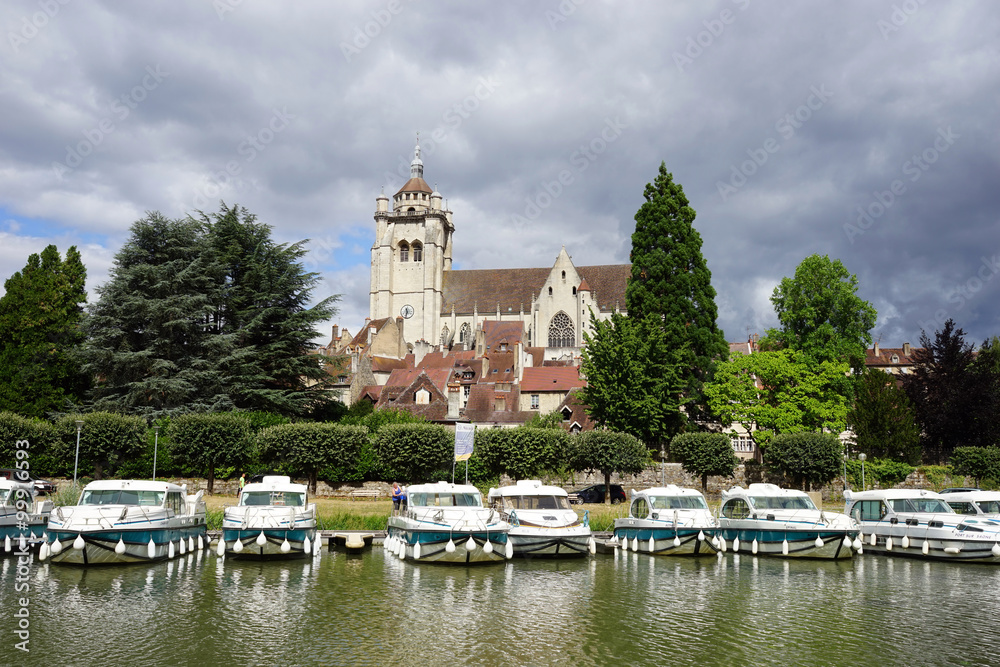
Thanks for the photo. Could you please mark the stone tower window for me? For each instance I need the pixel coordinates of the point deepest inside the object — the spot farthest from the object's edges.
(418, 252)
(561, 331)
(404, 252)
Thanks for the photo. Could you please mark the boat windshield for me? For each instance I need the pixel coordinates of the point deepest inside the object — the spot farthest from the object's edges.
(3, 496)
(920, 505)
(281, 498)
(445, 500)
(536, 502)
(122, 497)
(677, 503)
(989, 506)
(782, 503)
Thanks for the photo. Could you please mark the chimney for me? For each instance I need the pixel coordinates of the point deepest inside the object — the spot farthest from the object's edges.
(336, 332)
(906, 349)
(454, 399)
(875, 349)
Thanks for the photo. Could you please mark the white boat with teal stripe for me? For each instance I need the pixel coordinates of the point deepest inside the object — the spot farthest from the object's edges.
(666, 521)
(542, 522)
(273, 520)
(23, 515)
(447, 523)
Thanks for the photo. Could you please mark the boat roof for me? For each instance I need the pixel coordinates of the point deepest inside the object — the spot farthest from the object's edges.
(132, 484)
(668, 490)
(14, 484)
(892, 494)
(976, 496)
(441, 487)
(528, 487)
(276, 483)
(763, 489)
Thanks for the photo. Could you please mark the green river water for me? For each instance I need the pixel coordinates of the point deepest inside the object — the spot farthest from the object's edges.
(620, 610)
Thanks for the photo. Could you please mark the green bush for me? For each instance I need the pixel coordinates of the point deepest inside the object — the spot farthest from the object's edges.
(306, 448)
(413, 452)
(980, 463)
(107, 442)
(523, 452)
(806, 458)
(210, 440)
(39, 435)
(705, 454)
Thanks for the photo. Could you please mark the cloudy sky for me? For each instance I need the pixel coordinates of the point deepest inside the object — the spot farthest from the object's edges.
(866, 130)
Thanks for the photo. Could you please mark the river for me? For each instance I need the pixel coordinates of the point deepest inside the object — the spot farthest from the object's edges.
(629, 609)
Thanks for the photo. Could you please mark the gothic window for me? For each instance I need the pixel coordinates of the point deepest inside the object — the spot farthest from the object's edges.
(404, 252)
(464, 334)
(561, 331)
(418, 252)
(564, 275)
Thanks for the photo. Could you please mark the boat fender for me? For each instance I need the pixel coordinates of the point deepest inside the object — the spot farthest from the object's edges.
(306, 545)
(624, 544)
(736, 543)
(285, 546)
(858, 542)
(635, 543)
(181, 546)
(888, 543)
(56, 546)
(872, 540)
(43, 551)
(488, 547)
(79, 542)
(470, 544)
(170, 550)
(416, 551)
(151, 549)
(191, 543)
(953, 550)
(120, 547)
(238, 545)
(450, 547)
(316, 547)
(996, 550)
(818, 542)
(722, 544)
(701, 535)
(201, 543)
(261, 539)
(592, 544)
(753, 547)
(509, 550)
(784, 547)
(925, 548)
(221, 549)
(906, 542)
(677, 541)
(402, 552)
(847, 542)
(7, 545)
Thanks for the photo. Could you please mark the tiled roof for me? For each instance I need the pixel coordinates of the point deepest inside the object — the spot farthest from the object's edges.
(551, 379)
(416, 185)
(450, 359)
(387, 364)
(578, 412)
(513, 289)
(361, 338)
(501, 367)
(405, 377)
(495, 333)
(885, 354)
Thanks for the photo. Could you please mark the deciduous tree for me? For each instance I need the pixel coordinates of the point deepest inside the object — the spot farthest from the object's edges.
(882, 418)
(609, 452)
(207, 441)
(306, 448)
(808, 458)
(705, 454)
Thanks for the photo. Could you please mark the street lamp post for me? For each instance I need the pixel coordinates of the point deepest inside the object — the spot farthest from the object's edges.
(76, 462)
(862, 457)
(663, 465)
(845, 469)
(156, 444)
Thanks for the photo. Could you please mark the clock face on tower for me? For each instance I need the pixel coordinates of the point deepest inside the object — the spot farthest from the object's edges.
(406, 311)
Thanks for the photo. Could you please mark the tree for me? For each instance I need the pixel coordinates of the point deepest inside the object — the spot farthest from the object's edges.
(524, 452)
(670, 282)
(705, 454)
(309, 447)
(984, 400)
(821, 314)
(207, 441)
(38, 433)
(609, 452)
(778, 392)
(981, 463)
(941, 387)
(882, 418)
(107, 440)
(40, 336)
(413, 452)
(633, 382)
(808, 458)
(206, 315)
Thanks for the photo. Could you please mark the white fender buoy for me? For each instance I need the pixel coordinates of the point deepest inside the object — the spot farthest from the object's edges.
(43, 551)
(861, 549)
(285, 546)
(818, 542)
(238, 545)
(701, 535)
(488, 547)
(888, 543)
(306, 545)
(170, 550)
(316, 547)
(753, 546)
(858, 542)
(181, 546)
(508, 550)
(56, 546)
(120, 547)
(872, 540)
(905, 542)
(847, 542)
(677, 541)
(784, 547)
(402, 552)
(722, 543)
(995, 550)
(261, 539)
(151, 549)
(7, 545)
(79, 542)
(23, 543)
(387, 545)
(220, 550)
(652, 544)
(635, 542)
(736, 543)
(201, 543)
(191, 543)
(450, 547)
(592, 545)
(470, 544)
(624, 543)
(416, 551)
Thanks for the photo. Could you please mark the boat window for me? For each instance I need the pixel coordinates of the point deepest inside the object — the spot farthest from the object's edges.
(963, 508)
(964, 527)
(537, 502)
(446, 500)
(640, 509)
(175, 502)
(989, 506)
(678, 503)
(782, 503)
(122, 497)
(868, 510)
(3, 496)
(736, 508)
(920, 505)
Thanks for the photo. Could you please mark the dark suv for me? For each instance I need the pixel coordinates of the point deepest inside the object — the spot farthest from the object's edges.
(595, 494)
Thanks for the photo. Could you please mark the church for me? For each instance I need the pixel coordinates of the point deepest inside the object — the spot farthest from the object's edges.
(412, 278)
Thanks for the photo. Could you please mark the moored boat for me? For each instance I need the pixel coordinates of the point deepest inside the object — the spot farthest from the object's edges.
(975, 503)
(768, 520)
(272, 520)
(23, 515)
(126, 521)
(447, 523)
(921, 524)
(542, 522)
(668, 521)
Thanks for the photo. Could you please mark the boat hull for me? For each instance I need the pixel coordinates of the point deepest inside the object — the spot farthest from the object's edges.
(433, 544)
(801, 542)
(551, 545)
(670, 541)
(11, 534)
(940, 547)
(102, 547)
(273, 539)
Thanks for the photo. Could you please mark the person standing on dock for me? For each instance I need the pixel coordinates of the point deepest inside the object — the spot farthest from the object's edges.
(397, 496)
(243, 482)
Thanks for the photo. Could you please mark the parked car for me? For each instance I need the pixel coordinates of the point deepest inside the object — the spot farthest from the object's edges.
(595, 494)
(44, 486)
(41, 485)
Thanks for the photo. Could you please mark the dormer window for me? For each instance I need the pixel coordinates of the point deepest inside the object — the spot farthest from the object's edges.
(566, 414)
(895, 359)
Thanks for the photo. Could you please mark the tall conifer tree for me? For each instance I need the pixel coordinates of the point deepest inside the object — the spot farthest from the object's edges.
(671, 283)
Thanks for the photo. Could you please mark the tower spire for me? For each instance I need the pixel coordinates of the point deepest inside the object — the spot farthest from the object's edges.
(417, 167)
